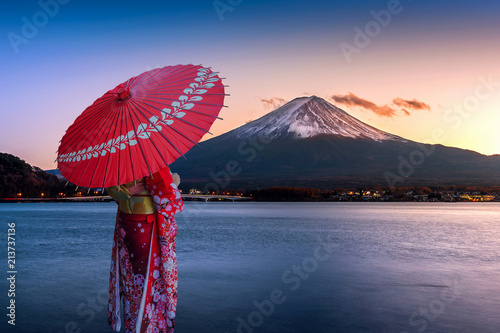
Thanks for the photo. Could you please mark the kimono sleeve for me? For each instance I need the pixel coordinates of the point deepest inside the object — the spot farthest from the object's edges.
(166, 195)
(118, 193)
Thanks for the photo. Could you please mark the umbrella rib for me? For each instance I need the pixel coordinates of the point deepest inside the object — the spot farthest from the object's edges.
(178, 83)
(184, 84)
(146, 79)
(82, 122)
(205, 114)
(178, 132)
(178, 78)
(73, 135)
(176, 93)
(170, 86)
(174, 71)
(103, 134)
(119, 154)
(139, 143)
(187, 122)
(109, 155)
(164, 136)
(161, 132)
(131, 81)
(146, 75)
(190, 73)
(129, 151)
(103, 102)
(154, 145)
(111, 120)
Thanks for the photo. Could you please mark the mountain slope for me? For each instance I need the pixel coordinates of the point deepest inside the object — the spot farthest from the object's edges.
(307, 117)
(310, 142)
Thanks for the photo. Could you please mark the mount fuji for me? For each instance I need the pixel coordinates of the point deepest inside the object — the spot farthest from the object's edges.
(306, 117)
(310, 142)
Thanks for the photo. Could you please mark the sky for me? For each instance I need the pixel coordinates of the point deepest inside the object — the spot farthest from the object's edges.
(413, 68)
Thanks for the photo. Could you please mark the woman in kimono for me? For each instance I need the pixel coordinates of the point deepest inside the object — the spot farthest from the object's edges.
(143, 263)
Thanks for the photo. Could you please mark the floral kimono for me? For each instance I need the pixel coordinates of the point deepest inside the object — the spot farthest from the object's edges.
(143, 263)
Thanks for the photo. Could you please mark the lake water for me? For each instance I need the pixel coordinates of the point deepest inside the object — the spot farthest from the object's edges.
(271, 267)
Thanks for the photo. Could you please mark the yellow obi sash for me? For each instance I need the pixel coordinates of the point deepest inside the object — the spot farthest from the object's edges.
(132, 202)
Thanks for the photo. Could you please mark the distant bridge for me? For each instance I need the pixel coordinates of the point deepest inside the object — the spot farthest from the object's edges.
(102, 198)
(213, 197)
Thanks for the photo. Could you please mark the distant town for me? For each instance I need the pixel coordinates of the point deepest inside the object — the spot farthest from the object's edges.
(422, 194)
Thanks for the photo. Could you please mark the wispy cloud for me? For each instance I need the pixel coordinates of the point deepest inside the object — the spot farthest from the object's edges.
(352, 100)
(273, 103)
(413, 104)
(398, 107)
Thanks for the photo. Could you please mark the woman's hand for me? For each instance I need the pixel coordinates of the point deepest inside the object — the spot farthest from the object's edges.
(176, 178)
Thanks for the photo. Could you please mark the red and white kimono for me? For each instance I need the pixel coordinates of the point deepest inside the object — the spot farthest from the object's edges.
(143, 263)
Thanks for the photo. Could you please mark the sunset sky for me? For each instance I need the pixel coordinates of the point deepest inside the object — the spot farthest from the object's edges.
(407, 67)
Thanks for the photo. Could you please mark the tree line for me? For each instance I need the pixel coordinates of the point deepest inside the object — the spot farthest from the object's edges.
(20, 179)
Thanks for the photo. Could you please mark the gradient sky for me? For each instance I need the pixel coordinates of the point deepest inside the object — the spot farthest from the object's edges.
(436, 53)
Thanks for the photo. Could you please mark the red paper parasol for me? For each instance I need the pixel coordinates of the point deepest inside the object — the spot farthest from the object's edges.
(141, 126)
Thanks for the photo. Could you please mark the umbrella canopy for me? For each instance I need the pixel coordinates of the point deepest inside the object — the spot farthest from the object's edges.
(141, 126)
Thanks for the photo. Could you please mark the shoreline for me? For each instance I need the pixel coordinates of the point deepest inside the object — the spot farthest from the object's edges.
(72, 200)
(107, 198)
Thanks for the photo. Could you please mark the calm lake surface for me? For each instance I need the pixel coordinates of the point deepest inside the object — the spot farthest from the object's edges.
(271, 267)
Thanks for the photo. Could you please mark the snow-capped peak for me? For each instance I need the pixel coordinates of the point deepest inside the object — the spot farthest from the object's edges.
(306, 117)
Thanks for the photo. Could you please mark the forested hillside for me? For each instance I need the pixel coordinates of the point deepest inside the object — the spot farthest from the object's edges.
(18, 178)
